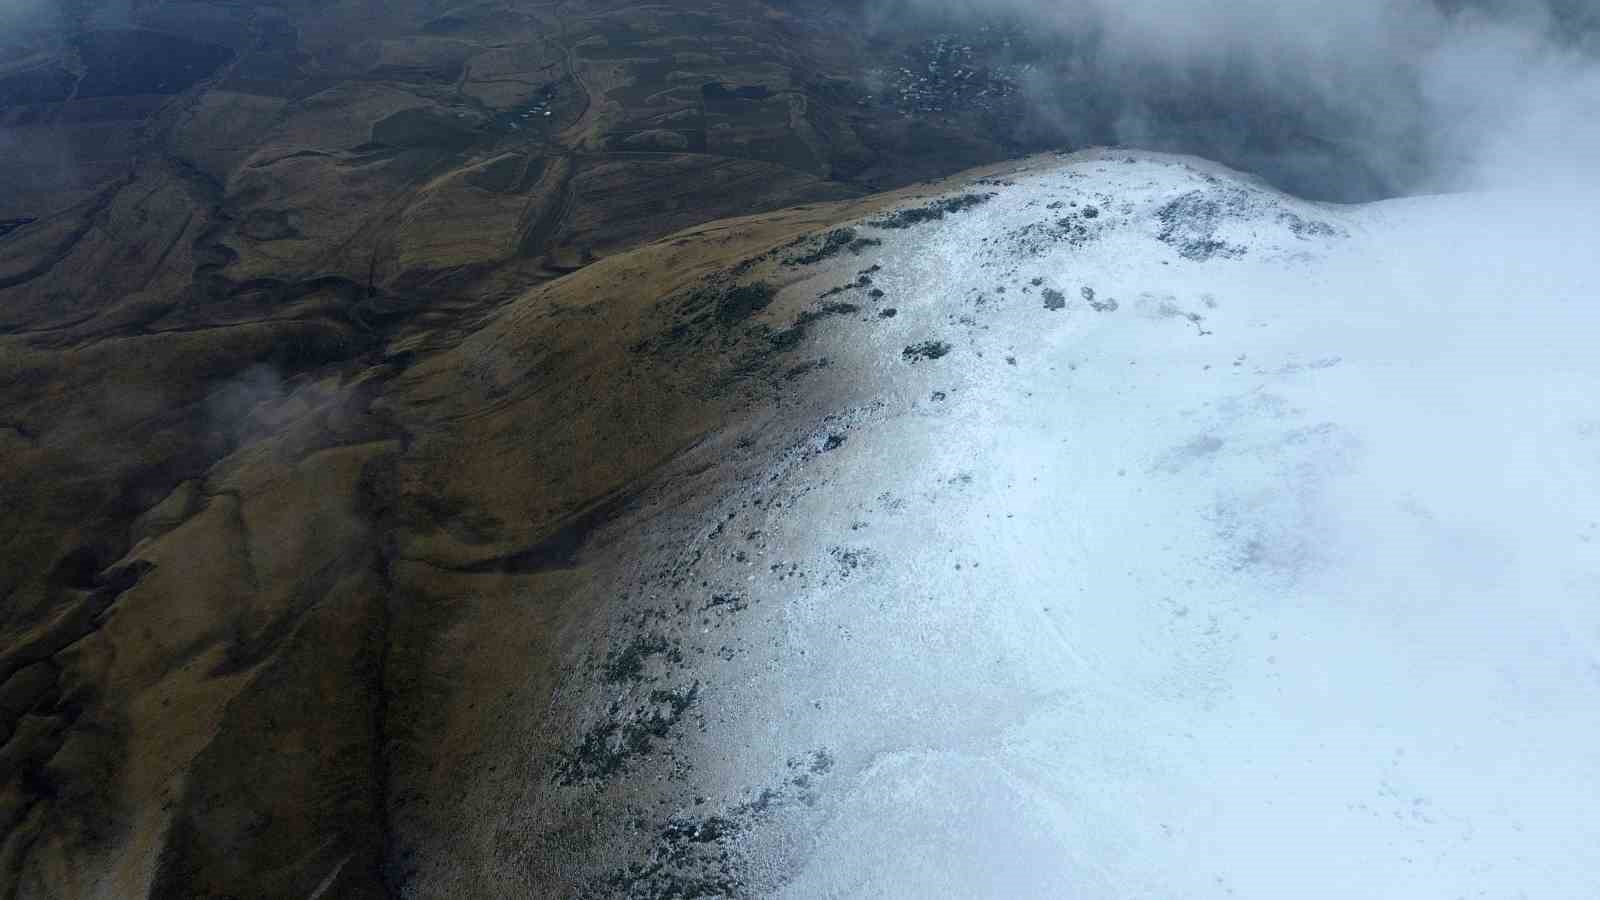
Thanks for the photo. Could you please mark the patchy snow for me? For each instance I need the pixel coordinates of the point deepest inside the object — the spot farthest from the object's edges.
(1175, 538)
(1257, 558)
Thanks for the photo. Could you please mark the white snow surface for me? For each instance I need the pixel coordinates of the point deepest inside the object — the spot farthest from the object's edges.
(1277, 580)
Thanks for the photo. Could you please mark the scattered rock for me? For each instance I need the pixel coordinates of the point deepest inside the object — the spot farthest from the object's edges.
(925, 350)
(1189, 223)
(1109, 304)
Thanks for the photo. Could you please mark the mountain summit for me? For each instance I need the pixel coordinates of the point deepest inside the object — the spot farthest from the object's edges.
(1124, 527)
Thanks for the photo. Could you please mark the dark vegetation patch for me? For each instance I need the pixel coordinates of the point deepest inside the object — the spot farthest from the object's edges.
(787, 339)
(794, 334)
(627, 664)
(863, 280)
(830, 309)
(925, 350)
(676, 871)
(932, 212)
(744, 301)
(620, 737)
(833, 243)
(716, 309)
(696, 855)
(803, 368)
(888, 313)
(713, 310)
(1054, 299)
(750, 262)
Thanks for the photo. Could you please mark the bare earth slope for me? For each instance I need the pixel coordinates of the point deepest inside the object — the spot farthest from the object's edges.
(263, 459)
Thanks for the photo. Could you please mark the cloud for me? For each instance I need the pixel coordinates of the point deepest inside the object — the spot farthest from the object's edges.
(1507, 102)
(1348, 100)
(238, 409)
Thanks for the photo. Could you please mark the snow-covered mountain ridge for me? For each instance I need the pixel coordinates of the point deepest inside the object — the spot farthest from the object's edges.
(1171, 537)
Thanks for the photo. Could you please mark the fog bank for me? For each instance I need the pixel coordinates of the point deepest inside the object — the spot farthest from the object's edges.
(1347, 101)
